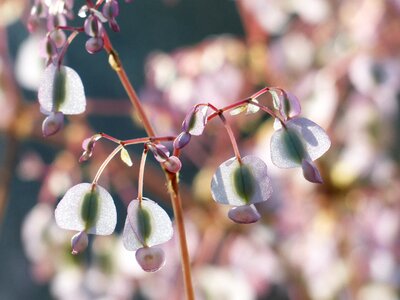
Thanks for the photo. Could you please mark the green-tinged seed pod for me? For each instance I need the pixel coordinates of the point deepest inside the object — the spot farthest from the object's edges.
(147, 224)
(241, 182)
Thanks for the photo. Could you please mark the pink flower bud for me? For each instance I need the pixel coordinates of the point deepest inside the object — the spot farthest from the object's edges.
(182, 140)
(111, 9)
(195, 121)
(151, 259)
(159, 151)
(79, 242)
(245, 214)
(93, 26)
(173, 164)
(310, 171)
(88, 146)
(52, 124)
(94, 44)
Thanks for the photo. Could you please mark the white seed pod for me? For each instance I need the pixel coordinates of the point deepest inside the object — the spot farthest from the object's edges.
(147, 224)
(61, 89)
(301, 139)
(82, 209)
(242, 183)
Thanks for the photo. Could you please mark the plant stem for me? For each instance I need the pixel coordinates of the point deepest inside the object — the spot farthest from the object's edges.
(178, 211)
(220, 114)
(172, 179)
(105, 163)
(141, 174)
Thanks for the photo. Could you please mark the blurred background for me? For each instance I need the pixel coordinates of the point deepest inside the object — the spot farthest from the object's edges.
(339, 240)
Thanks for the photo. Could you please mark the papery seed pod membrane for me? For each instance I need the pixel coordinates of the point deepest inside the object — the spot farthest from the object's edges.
(93, 26)
(61, 89)
(195, 121)
(299, 139)
(311, 172)
(290, 105)
(79, 242)
(59, 37)
(286, 102)
(173, 164)
(50, 48)
(94, 44)
(150, 259)
(245, 214)
(182, 140)
(160, 152)
(147, 224)
(85, 209)
(110, 9)
(52, 124)
(241, 183)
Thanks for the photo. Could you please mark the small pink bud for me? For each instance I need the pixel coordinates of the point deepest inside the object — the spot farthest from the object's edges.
(182, 140)
(94, 44)
(93, 26)
(159, 151)
(151, 259)
(173, 164)
(79, 242)
(88, 146)
(195, 121)
(310, 171)
(52, 124)
(245, 214)
(111, 9)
